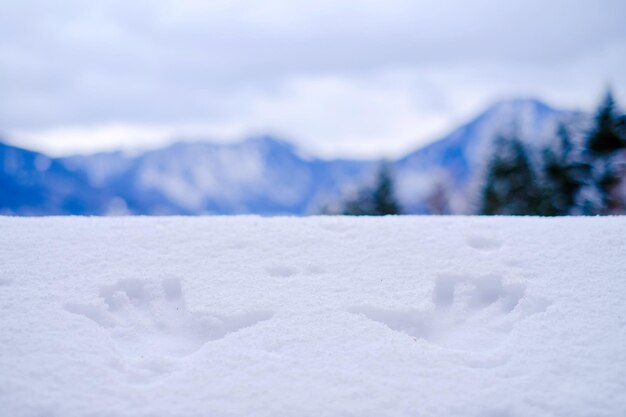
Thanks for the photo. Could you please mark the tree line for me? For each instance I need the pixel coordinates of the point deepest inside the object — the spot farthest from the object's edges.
(569, 176)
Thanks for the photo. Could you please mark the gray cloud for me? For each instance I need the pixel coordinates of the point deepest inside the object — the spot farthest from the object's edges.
(66, 63)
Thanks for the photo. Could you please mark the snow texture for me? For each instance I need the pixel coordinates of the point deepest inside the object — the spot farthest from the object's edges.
(319, 316)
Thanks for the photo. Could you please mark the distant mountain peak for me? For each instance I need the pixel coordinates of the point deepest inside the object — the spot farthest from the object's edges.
(268, 141)
(520, 102)
(516, 108)
(459, 156)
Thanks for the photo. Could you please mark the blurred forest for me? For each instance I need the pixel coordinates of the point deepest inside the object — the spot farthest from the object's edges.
(567, 177)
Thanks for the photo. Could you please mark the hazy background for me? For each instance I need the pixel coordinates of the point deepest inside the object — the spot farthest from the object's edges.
(338, 78)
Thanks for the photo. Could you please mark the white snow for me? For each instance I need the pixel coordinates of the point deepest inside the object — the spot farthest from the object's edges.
(320, 316)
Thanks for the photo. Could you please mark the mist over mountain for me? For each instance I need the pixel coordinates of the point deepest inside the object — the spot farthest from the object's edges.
(262, 175)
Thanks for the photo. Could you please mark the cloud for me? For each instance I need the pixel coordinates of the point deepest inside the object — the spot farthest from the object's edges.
(359, 77)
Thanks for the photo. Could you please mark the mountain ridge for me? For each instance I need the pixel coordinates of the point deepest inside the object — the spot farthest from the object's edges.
(268, 175)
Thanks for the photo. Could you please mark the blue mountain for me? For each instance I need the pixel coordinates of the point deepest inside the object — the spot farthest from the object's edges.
(459, 158)
(261, 175)
(33, 184)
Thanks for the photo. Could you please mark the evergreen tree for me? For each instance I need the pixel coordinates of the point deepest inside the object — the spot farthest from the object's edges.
(384, 199)
(563, 175)
(607, 135)
(376, 201)
(510, 187)
(605, 158)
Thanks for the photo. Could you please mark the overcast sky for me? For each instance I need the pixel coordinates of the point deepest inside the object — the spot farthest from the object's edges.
(355, 77)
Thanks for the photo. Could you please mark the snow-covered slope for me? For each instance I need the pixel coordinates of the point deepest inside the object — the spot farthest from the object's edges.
(320, 316)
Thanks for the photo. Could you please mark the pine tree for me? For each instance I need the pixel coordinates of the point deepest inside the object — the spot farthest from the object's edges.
(376, 201)
(606, 136)
(563, 175)
(510, 187)
(604, 155)
(384, 199)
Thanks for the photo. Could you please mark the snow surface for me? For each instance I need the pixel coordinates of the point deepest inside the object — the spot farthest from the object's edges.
(320, 316)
